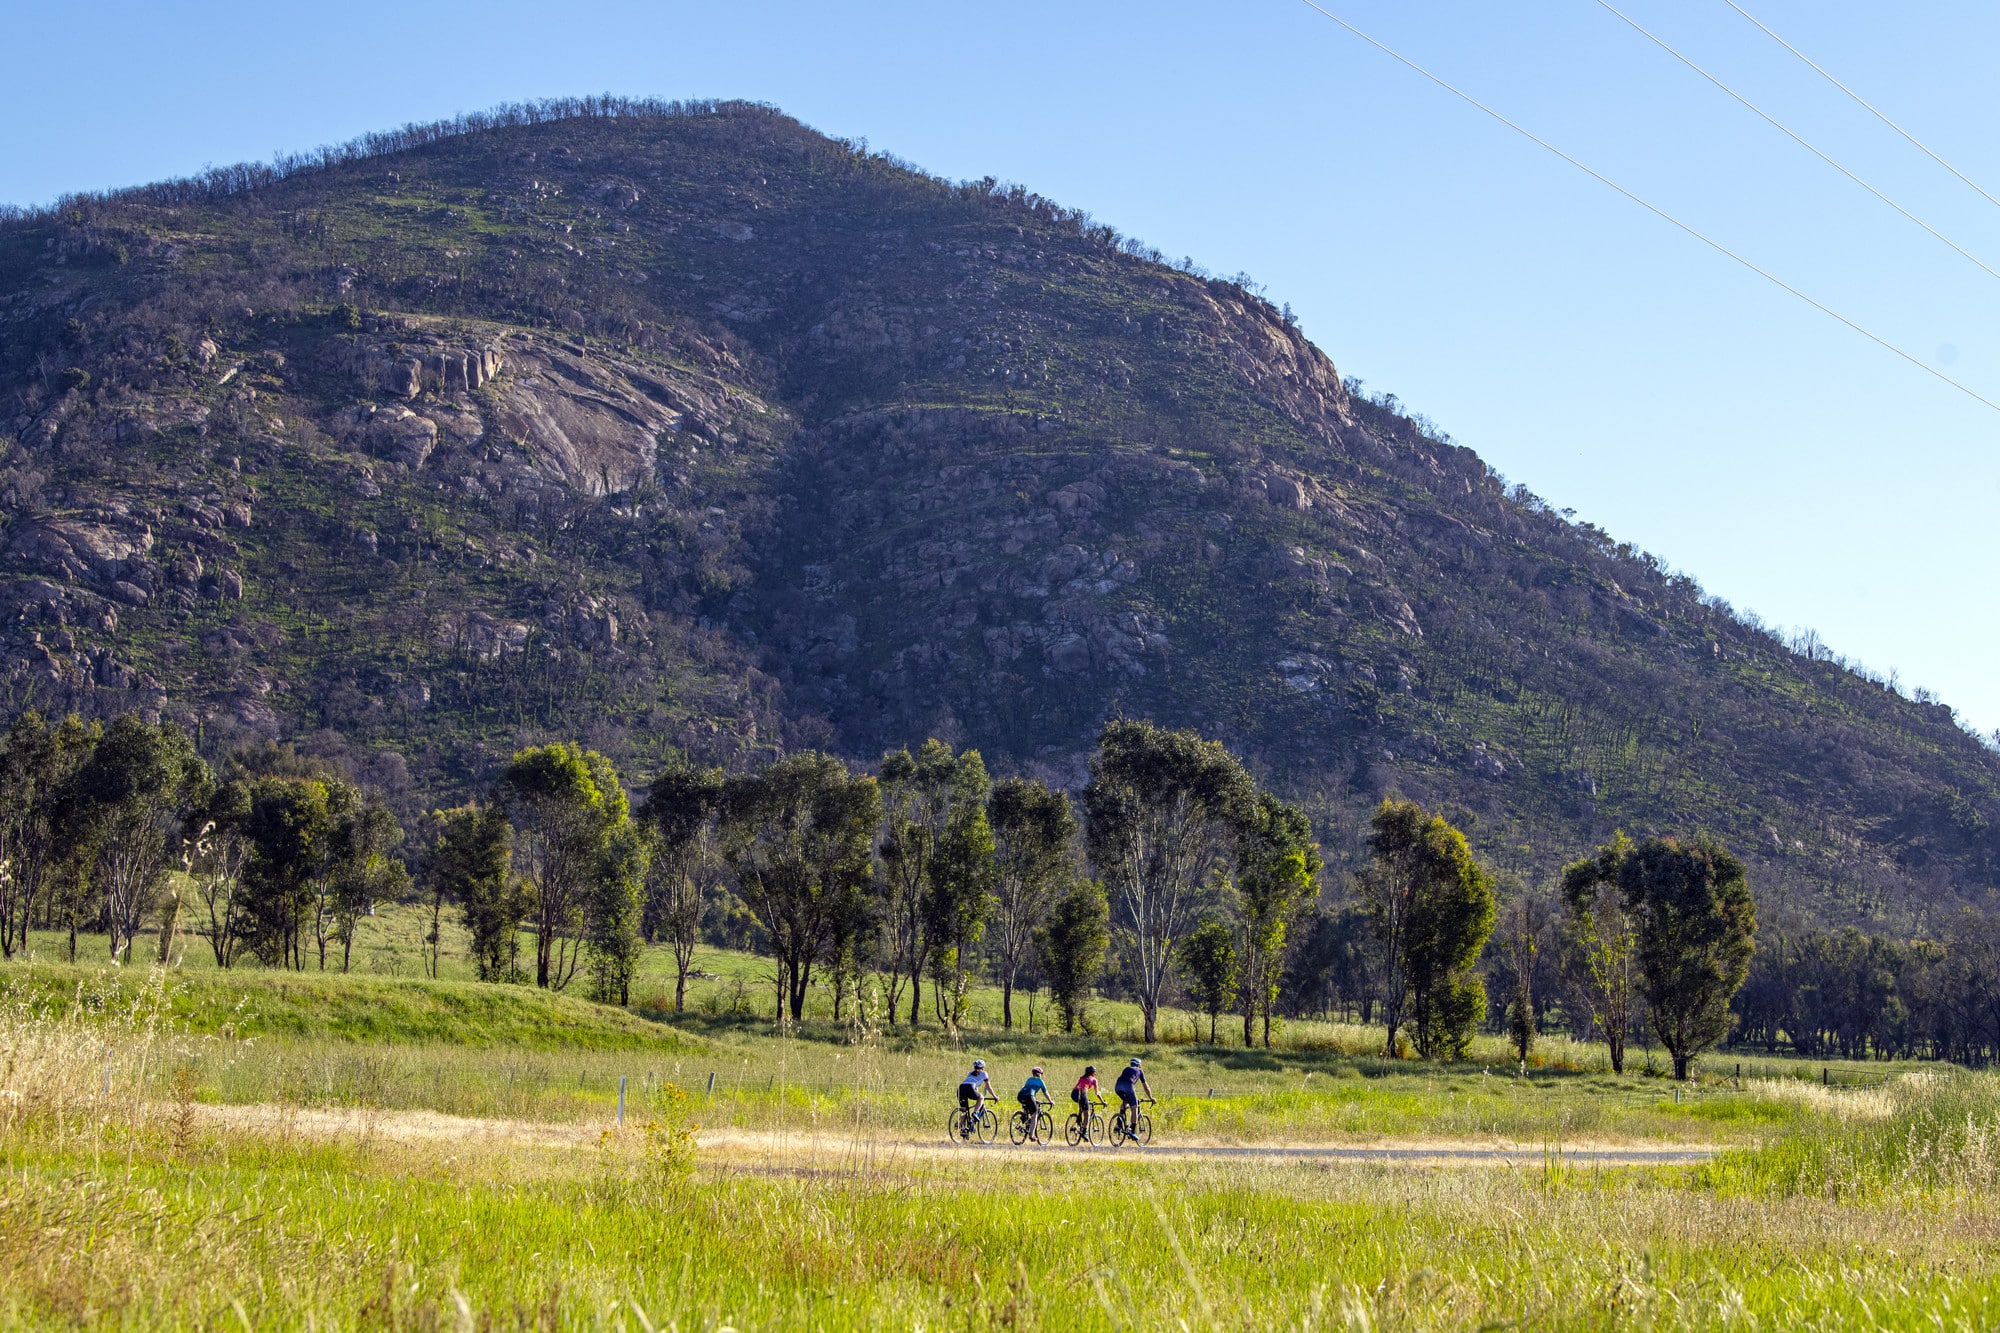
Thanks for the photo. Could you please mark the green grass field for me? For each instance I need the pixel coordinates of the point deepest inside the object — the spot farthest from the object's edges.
(137, 1188)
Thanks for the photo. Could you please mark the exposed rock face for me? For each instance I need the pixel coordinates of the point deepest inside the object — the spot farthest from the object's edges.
(409, 366)
(79, 548)
(583, 423)
(395, 433)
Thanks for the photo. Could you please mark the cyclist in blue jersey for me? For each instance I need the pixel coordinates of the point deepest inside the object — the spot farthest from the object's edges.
(1034, 1099)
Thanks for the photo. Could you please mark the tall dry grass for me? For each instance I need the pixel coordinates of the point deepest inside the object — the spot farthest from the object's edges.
(107, 1056)
(1933, 1137)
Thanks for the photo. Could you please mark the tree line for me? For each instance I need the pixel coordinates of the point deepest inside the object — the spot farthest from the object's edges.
(1851, 995)
(1171, 876)
(279, 857)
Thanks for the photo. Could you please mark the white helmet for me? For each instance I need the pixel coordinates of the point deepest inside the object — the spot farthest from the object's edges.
(981, 1064)
(1135, 1062)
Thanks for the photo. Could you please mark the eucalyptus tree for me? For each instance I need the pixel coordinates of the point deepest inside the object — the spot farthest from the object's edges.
(1433, 908)
(289, 828)
(321, 854)
(1277, 877)
(686, 864)
(564, 803)
(135, 794)
(1209, 965)
(1070, 947)
(471, 864)
(1162, 812)
(1693, 925)
(38, 847)
(1602, 943)
(926, 797)
(797, 838)
(363, 867)
(216, 858)
(617, 901)
(1033, 829)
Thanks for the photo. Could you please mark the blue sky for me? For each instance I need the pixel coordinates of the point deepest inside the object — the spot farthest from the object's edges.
(1582, 346)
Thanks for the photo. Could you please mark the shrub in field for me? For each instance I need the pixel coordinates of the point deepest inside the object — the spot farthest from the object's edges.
(670, 1133)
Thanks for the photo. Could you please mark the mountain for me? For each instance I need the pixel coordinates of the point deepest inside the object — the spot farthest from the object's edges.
(686, 427)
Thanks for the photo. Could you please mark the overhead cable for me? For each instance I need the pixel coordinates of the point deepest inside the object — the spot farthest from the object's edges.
(1864, 103)
(1778, 125)
(1655, 210)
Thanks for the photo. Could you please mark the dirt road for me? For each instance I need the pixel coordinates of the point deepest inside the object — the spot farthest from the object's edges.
(831, 1146)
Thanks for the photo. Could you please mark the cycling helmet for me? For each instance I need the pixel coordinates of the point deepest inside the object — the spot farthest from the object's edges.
(981, 1064)
(1036, 1071)
(1090, 1069)
(1135, 1062)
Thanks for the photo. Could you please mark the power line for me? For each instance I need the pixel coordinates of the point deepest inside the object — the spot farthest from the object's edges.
(1656, 211)
(1795, 138)
(1864, 102)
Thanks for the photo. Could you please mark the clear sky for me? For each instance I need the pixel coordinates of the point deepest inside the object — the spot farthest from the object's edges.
(1581, 345)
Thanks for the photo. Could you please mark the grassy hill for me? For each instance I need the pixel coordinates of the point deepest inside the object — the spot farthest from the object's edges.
(254, 1003)
(690, 428)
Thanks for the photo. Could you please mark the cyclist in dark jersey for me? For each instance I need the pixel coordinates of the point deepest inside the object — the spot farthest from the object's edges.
(1130, 1080)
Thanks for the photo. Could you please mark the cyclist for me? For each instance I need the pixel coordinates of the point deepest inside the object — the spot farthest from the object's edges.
(974, 1087)
(1130, 1079)
(1085, 1089)
(1034, 1096)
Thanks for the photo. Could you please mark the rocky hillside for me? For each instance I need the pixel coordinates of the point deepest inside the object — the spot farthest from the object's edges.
(690, 428)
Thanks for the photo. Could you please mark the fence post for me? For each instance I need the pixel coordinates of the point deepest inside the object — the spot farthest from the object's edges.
(711, 1084)
(621, 1100)
(1825, 1078)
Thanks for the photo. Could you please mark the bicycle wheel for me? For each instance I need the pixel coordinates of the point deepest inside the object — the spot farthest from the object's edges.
(1017, 1127)
(1045, 1127)
(989, 1125)
(1118, 1129)
(1141, 1132)
(1074, 1130)
(1096, 1128)
(954, 1126)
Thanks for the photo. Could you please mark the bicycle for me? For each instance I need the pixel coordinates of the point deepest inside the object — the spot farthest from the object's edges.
(1017, 1126)
(1079, 1131)
(1139, 1131)
(966, 1121)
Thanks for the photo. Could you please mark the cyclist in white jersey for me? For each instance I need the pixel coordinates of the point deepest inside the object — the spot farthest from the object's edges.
(975, 1086)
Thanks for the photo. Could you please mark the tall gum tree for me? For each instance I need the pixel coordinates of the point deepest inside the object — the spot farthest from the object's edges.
(922, 794)
(1697, 928)
(1033, 830)
(1277, 876)
(1162, 811)
(1601, 944)
(685, 868)
(1433, 909)
(137, 790)
(565, 802)
(796, 838)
